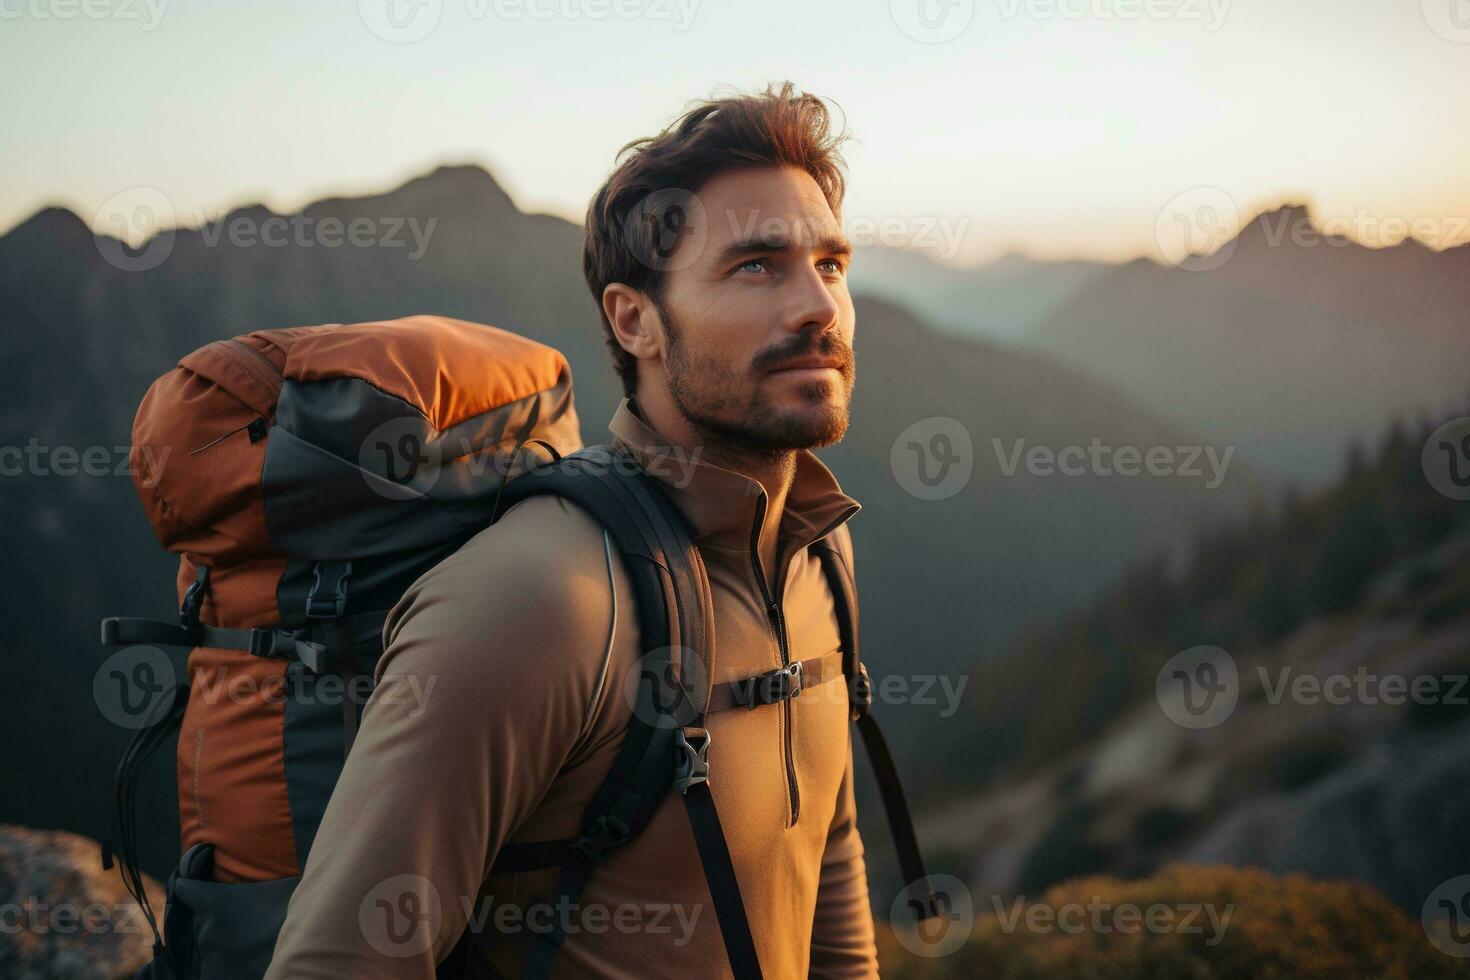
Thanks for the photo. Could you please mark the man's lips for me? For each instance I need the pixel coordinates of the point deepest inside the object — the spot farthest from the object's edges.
(812, 362)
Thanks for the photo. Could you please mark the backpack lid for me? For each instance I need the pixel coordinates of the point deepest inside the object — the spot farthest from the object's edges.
(341, 441)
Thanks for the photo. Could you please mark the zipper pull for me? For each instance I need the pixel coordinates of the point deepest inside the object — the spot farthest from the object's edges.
(256, 428)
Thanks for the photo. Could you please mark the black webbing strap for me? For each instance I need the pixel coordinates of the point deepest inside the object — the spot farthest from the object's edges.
(127, 630)
(666, 574)
(724, 888)
(338, 635)
(306, 645)
(326, 605)
(860, 696)
(775, 686)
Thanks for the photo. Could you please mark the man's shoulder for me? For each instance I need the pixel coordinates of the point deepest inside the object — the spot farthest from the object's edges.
(539, 538)
(541, 569)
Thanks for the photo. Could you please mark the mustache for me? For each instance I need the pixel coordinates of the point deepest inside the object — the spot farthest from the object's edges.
(829, 346)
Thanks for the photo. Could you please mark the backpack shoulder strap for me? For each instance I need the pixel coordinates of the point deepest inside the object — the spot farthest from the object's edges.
(666, 746)
(860, 698)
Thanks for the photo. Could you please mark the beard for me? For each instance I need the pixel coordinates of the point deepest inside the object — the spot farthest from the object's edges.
(730, 405)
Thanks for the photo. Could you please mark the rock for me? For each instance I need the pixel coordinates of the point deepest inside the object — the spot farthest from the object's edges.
(62, 917)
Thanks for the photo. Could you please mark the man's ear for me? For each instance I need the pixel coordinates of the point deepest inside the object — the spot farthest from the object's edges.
(635, 322)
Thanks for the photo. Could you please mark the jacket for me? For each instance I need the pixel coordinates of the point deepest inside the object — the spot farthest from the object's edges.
(498, 707)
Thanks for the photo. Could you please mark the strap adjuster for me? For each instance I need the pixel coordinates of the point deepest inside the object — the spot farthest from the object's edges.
(328, 596)
(692, 766)
(286, 644)
(860, 693)
(772, 686)
(608, 833)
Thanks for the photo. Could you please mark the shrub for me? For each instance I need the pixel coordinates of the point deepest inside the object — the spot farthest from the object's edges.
(1278, 927)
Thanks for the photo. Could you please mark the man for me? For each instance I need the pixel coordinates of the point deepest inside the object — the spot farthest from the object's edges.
(716, 254)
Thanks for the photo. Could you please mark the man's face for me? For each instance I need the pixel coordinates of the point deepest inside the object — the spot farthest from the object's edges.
(755, 308)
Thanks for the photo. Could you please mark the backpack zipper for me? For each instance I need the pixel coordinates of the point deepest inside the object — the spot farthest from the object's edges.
(256, 364)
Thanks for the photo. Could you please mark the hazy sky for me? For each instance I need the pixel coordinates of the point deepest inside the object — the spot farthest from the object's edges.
(1056, 127)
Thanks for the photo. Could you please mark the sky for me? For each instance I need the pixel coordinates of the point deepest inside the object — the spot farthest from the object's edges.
(1053, 128)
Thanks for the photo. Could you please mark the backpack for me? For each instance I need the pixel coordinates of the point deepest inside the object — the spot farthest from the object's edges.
(306, 477)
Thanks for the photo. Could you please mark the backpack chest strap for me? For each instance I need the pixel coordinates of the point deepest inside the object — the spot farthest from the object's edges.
(775, 686)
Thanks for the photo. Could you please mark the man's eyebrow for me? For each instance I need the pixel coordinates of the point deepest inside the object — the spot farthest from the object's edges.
(829, 244)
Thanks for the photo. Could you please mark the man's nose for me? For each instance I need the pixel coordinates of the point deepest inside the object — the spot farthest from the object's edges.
(812, 304)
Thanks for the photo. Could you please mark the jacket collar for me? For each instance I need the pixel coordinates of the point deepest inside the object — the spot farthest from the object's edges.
(721, 504)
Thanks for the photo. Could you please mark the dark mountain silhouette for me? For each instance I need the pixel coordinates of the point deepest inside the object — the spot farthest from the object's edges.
(946, 583)
(1292, 347)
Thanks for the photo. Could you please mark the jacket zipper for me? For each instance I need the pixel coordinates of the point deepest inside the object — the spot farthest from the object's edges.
(778, 625)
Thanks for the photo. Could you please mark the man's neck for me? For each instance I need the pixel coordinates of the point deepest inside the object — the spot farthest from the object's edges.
(773, 471)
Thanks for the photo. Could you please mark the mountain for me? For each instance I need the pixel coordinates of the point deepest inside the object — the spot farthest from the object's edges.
(1002, 300)
(1292, 345)
(1336, 633)
(946, 582)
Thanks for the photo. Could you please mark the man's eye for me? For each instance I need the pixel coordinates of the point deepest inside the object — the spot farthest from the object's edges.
(758, 263)
(834, 266)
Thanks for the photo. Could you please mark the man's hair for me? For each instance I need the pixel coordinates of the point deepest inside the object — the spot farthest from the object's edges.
(634, 219)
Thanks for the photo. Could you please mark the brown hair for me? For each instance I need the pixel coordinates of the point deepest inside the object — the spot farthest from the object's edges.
(633, 215)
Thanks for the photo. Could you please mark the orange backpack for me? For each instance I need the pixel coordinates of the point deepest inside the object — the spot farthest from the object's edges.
(389, 444)
(307, 477)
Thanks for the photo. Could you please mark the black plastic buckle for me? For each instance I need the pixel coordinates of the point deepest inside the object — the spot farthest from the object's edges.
(289, 645)
(328, 596)
(193, 602)
(860, 693)
(692, 767)
(608, 833)
(772, 686)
